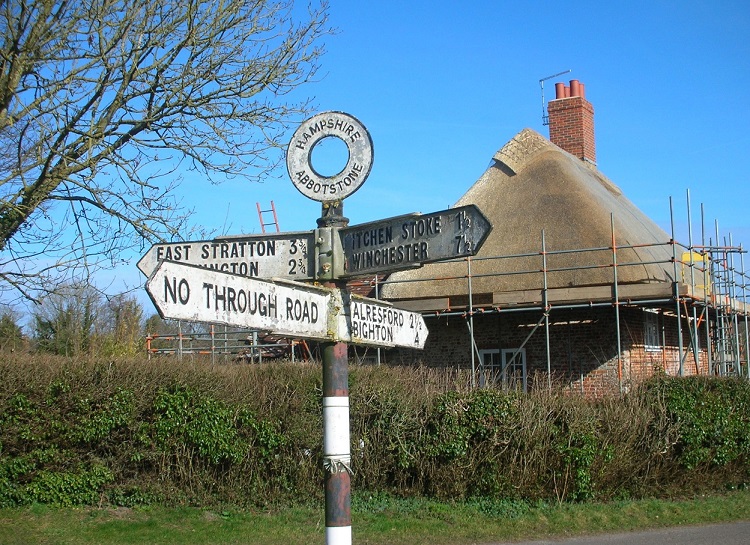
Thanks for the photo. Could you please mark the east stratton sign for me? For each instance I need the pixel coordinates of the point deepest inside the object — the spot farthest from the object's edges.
(284, 255)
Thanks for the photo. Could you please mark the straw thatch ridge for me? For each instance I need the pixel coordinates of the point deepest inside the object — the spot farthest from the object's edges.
(534, 186)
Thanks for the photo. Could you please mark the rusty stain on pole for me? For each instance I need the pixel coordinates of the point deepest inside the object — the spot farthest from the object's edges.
(336, 373)
(336, 444)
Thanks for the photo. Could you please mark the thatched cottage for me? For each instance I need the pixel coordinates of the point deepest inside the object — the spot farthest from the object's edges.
(575, 286)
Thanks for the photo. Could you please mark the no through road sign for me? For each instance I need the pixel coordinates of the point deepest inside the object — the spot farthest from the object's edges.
(187, 292)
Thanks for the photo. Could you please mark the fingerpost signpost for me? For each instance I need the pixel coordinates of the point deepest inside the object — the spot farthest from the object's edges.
(254, 281)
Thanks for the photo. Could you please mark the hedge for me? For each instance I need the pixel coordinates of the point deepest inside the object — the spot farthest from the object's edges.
(161, 431)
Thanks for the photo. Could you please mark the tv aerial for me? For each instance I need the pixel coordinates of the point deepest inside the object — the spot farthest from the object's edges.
(545, 117)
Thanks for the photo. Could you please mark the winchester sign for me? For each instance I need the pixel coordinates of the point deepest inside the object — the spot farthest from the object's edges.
(412, 240)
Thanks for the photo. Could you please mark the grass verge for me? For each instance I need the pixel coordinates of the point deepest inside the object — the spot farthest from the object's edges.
(376, 521)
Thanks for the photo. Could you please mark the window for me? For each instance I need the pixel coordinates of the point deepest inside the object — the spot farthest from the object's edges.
(489, 367)
(651, 338)
(505, 367)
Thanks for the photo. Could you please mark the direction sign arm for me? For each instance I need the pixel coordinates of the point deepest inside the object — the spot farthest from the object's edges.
(409, 241)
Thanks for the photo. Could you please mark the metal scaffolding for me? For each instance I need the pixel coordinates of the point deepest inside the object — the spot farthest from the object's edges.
(228, 344)
(708, 298)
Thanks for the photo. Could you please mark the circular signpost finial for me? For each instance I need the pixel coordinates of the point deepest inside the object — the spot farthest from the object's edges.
(339, 186)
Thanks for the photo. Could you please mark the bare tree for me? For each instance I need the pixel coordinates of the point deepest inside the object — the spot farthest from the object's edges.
(69, 321)
(103, 103)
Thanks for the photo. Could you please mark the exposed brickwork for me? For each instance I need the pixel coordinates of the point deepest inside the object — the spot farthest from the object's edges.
(583, 347)
(645, 361)
(571, 126)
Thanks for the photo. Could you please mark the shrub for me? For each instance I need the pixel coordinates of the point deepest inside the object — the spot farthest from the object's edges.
(131, 432)
(713, 418)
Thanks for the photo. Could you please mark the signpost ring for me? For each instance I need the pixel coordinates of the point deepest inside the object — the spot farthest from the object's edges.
(358, 142)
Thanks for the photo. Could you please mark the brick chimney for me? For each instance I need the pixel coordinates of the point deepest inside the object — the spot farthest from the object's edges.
(571, 121)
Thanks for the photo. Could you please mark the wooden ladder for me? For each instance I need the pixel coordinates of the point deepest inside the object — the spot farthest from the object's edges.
(263, 223)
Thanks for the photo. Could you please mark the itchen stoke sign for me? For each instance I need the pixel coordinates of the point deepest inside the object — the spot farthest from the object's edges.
(412, 240)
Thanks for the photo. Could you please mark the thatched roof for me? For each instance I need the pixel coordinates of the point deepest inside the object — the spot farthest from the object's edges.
(534, 186)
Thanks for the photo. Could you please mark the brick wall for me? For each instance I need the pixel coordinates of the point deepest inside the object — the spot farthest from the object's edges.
(571, 126)
(583, 347)
(647, 360)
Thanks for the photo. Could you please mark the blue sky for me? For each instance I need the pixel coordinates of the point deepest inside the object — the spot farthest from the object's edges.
(443, 85)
